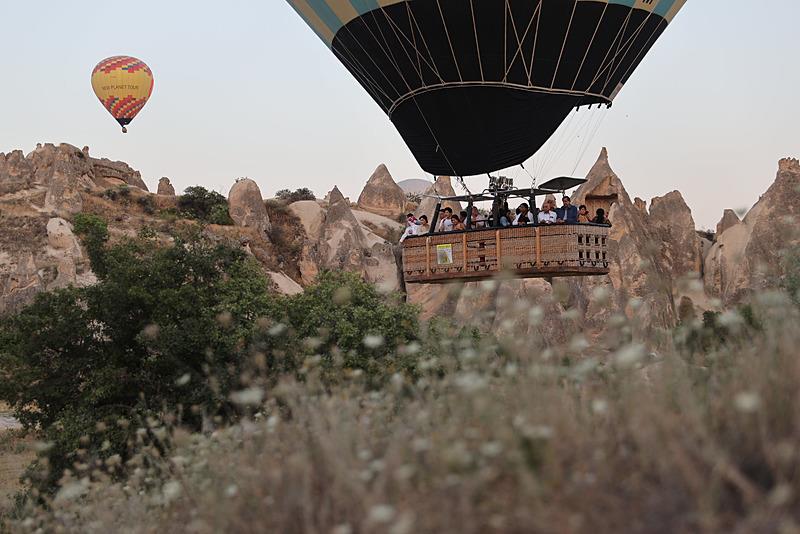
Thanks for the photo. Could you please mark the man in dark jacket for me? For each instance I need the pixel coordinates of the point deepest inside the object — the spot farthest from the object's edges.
(568, 214)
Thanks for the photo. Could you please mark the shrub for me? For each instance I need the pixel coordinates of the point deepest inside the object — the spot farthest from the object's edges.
(199, 203)
(93, 230)
(147, 204)
(121, 192)
(414, 197)
(297, 195)
(350, 325)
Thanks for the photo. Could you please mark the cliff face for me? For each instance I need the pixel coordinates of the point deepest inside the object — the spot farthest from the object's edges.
(748, 254)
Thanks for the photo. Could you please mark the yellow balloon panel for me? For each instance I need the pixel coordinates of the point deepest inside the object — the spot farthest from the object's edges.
(123, 84)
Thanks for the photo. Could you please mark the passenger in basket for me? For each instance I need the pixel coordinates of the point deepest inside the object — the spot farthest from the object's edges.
(524, 216)
(568, 214)
(547, 215)
(420, 227)
(601, 218)
(506, 219)
(477, 220)
(410, 219)
(457, 224)
(446, 224)
(583, 215)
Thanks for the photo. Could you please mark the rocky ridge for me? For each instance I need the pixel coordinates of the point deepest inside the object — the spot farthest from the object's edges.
(659, 262)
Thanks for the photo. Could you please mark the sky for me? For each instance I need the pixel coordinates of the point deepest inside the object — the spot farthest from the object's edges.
(246, 89)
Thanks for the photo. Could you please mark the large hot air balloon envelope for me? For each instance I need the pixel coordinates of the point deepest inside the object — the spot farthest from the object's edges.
(123, 84)
(479, 85)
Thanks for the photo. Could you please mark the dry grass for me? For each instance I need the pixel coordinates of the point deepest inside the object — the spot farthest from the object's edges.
(680, 441)
(15, 455)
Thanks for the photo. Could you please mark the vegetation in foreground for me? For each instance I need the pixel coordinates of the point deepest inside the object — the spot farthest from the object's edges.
(345, 417)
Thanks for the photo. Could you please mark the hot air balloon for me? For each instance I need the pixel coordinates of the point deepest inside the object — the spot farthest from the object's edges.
(123, 84)
(474, 86)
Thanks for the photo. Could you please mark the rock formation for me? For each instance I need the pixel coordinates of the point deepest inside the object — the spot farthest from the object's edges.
(382, 196)
(114, 172)
(729, 220)
(747, 257)
(165, 187)
(442, 187)
(246, 206)
(336, 239)
(672, 221)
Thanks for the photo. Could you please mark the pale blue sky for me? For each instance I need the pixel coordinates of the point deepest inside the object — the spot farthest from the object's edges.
(244, 88)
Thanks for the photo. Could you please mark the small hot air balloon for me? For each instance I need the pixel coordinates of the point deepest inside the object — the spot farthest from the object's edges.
(123, 84)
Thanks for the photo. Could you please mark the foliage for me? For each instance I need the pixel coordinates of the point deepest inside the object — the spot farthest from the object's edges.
(349, 324)
(297, 195)
(121, 192)
(414, 197)
(161, 333)
(147, 204)
(172, 332)
(286, 232)
(791, 268)
(208, 206)
(93, 230)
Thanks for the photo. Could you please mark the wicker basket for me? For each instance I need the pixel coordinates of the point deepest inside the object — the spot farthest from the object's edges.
(522, 251)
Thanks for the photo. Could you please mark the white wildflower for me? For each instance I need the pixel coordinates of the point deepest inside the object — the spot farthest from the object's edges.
(183, 380)
(629, 355)
(171, 491)
(600, 406)
(72, 491)
(471, 382)
(747, 402)
(277, 330)
(535, 315)
(492, 449)
(248, 397)
(381, 513)
(373, 341)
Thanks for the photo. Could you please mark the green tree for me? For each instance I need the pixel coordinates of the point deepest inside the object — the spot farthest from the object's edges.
(94, 232)
(343, 315)
(164, 332)
(208, 206)
(289, 196)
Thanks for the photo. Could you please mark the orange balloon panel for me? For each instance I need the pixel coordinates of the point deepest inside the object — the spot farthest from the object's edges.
(123, 84)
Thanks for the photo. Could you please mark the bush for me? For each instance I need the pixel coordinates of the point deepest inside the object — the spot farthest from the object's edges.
(147, 204)
(93, 230)
(791, 279)
(208, 206)
(121, 192)
(297, 195)
(414, 197)
(350, 325)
